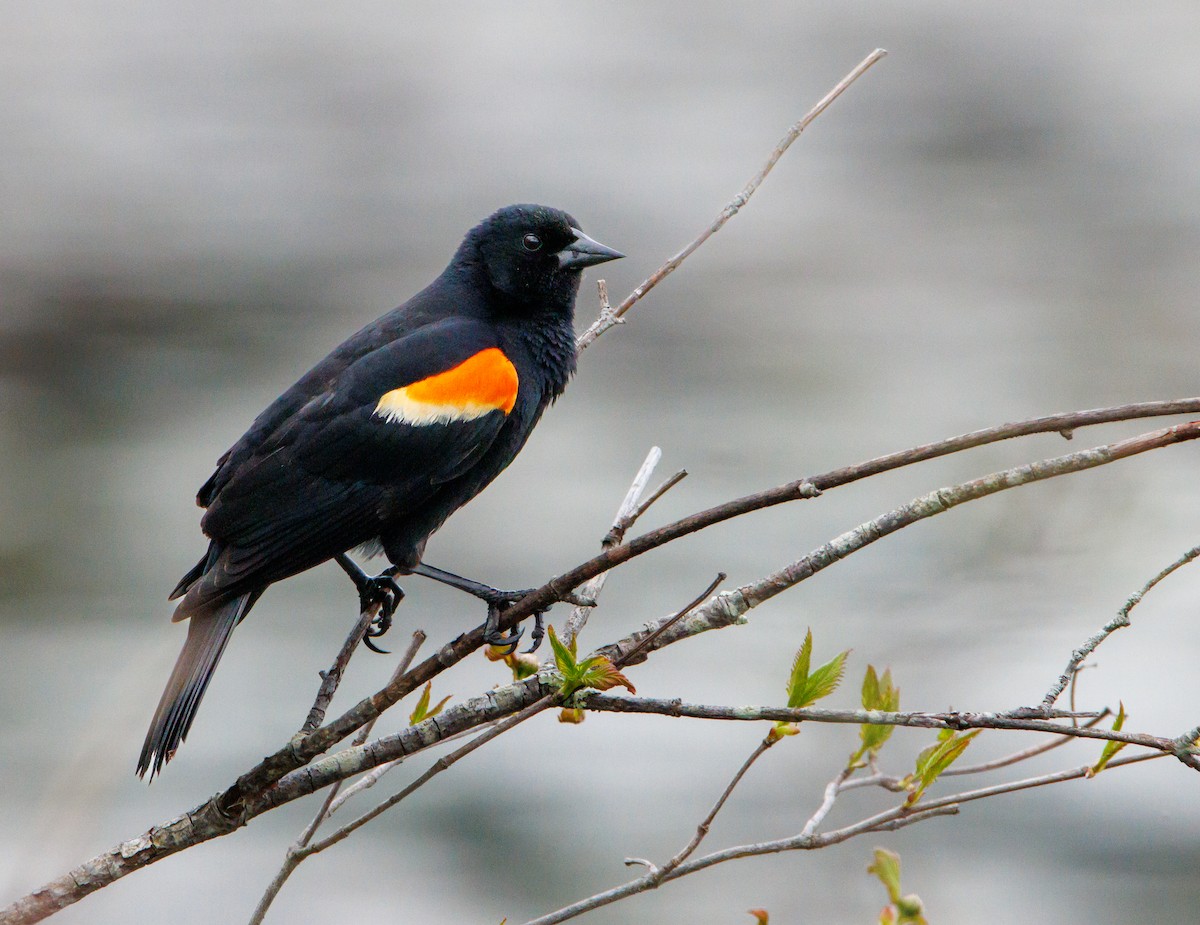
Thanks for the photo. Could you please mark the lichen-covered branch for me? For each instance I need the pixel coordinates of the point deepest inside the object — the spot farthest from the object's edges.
(273, 782)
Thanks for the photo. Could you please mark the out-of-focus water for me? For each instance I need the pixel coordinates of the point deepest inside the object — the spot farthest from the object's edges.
(1001, 220)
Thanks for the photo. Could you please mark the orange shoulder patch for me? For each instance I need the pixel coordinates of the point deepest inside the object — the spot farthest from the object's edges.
(480, 384)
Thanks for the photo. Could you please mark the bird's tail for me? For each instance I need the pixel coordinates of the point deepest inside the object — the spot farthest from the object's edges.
(208, 632)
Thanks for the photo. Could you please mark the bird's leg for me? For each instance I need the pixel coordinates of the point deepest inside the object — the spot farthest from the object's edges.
(495, 599)
(477, 589)
(378, 589)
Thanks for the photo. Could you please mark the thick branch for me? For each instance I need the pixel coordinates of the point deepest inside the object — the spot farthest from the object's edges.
(297, 754)
(729, 607)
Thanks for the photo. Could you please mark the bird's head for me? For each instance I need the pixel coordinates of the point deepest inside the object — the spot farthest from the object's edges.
(534, 253)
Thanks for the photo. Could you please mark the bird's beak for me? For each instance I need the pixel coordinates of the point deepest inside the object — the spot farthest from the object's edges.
(584, 252)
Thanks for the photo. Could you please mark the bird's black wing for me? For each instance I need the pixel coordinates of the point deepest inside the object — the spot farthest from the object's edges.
(378, 440)
(317, 381)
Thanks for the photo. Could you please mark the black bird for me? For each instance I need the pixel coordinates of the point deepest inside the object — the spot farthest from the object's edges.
(384, 439)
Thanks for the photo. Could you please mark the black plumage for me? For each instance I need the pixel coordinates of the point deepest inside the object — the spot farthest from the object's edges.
(387, 436)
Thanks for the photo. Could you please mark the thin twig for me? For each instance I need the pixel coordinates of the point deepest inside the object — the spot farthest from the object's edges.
(881, 823)
(617, 534)
(418, 639)
(1044, 780)
(889, 820)
(373, 776)
(1116, 623)
(442, 764)
(832, 790)
(292, 857)
(625, 658)
(333, 677)
(658, 873)
(591, 590)
(1027, 720)
(1026, 753)
(608, 319)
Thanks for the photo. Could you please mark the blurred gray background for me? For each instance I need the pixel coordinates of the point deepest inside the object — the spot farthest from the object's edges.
(1001, 220)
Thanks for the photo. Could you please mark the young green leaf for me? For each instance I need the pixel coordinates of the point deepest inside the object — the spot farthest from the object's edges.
(936, 758)
(903, 910)
(877, 694)
(564, 656)
(799, 675)
(886, 867)
(1110, 747)
(599, 673)
(595, 672)
(806, 688)
(421, 710)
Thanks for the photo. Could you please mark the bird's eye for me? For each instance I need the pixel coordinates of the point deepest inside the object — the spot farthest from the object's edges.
(532, 242)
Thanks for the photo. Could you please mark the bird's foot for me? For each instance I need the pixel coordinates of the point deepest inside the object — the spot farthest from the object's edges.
(492, 634)
(379, 591)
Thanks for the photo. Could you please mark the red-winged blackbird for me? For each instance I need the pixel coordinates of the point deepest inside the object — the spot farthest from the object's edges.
(384, 439)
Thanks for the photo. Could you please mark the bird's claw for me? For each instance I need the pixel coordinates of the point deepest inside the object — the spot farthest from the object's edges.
(493, 636)
(539, 631)
(381, 591)
(380, 625)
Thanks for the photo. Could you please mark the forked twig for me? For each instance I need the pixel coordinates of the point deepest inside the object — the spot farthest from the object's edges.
(292, 857)
(591, 590)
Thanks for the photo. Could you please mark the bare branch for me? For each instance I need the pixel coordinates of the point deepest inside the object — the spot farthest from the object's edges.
(887, 821)
(1024, 754)
(442, 764)
(832, 790)
(1044, 780)
(297, 754)
(292, 857)
(1116, 623)
(1026, 719)
(657, 874)
(333, 677)
(646, 641)
(654, 496)
(626, 514)
(609, 318)
(730, 607)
